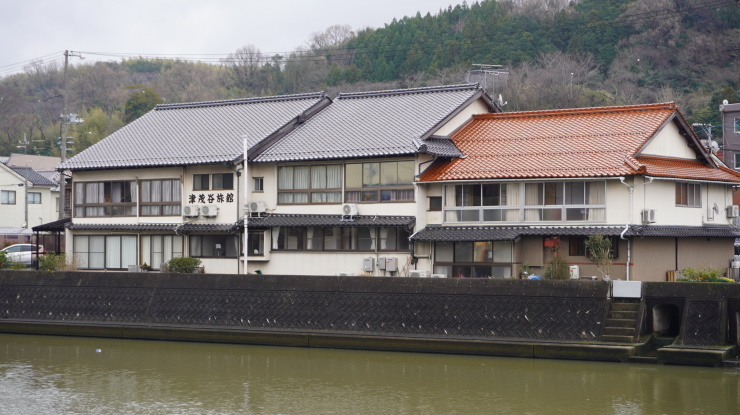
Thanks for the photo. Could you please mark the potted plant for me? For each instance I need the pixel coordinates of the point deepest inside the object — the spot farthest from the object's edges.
(524, 271)
(145, 267)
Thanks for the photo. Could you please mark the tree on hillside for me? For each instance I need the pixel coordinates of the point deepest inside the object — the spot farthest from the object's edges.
(141, 101)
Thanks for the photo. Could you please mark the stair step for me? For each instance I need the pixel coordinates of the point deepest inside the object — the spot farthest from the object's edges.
(620, 322)
(616, 339)
(622, 315)
(619, 331)
(625, 306)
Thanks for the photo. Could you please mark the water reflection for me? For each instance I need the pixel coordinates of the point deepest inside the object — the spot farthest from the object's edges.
(61, 375)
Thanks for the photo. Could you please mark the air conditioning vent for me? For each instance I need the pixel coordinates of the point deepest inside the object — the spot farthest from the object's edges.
(190, 211)
(209, 211)
(733, 211)
(648, 216)
(349, 209)
(257, 207)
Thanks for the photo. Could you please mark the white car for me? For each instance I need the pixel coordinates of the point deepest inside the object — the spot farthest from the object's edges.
(22, 253)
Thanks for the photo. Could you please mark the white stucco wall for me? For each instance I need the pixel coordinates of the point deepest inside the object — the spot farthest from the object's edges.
(668, 142)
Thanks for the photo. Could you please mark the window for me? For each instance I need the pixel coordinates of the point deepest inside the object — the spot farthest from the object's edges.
(532, 202)
(201, 182)
(688, 194)
(223, 181)
(113, 198)
(160, 197)
(214, 246)
(435, 203)
(577, 246)
(737, 125)
(316, 238)
(56, 204)
(256, 243)
(34, 198)
(474, 259)
(7, 197)
(158, 249)
(259, 184)
(105, 252)
(389, 181)
(737, 161)
(310, 184)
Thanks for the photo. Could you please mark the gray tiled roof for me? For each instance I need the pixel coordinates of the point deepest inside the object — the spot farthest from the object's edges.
(155, 227)
(33, 176)
(372, 124)
(193, 133)
(441, 146)
(509, 233)
(327, 220)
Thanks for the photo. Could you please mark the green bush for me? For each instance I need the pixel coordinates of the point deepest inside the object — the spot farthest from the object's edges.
(52, 262)
(4, 260)
(556, 268)
(704, 275)
(184, 265)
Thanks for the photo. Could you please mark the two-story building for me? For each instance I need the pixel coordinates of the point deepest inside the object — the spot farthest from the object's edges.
(330, 183)
(530, 182)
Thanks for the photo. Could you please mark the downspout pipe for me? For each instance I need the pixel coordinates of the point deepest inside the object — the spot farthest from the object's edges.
(627, 226)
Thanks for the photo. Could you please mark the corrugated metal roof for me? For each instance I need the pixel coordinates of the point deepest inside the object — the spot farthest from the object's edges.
(372, 124)
(193, 133)
(327, 220)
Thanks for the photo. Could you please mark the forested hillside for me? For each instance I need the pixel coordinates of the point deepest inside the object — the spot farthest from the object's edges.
(552, 54)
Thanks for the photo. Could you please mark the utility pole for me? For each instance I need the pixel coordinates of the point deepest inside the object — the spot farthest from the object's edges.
(66, 119)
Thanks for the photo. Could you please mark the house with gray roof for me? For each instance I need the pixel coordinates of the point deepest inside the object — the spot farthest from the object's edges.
(27, 198)
(329, 183)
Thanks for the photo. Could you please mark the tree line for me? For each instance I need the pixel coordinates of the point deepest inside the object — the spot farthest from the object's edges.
(546, 54)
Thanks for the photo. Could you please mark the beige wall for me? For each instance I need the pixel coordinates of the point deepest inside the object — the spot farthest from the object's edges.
(653, 257)
(669, 142)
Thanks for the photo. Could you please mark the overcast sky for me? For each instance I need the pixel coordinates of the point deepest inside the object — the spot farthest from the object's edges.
(32, 29)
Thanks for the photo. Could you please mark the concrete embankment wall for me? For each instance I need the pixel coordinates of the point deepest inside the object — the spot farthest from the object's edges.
(446, 315)
(525, 318)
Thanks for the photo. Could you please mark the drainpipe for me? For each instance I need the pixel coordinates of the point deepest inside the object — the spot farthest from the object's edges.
(627, 226)
(245, 207)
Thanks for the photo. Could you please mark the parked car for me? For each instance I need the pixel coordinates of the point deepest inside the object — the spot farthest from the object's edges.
(23, 253)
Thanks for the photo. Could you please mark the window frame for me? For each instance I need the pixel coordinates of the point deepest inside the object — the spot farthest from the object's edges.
(174, 205)
(81, 207)
(471, 266)
(223, 177)
(737, 161)
(685, 192)
(258, 184)
(577, 246)
(371, 190)
(84, 262)
(37, 198)
(149, 245)
(223, 238)
(6, 200)
(311, 191)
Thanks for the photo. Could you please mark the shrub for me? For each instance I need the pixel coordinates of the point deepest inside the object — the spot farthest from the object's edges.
(599, 251)
(55, 262)
(4, 260)
(184, 265)
(704, 275)
(556, 268)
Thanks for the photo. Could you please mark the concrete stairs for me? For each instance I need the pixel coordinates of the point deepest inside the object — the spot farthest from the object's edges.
(621, 325)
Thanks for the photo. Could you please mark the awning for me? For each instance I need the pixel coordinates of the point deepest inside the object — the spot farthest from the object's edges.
(510, 233)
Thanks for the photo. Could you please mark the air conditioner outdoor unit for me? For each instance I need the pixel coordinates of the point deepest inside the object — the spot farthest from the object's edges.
(349, 209)
(191, 211)
(257, 207)
(209, 211)
(418, 274)
(733, 211)
(648, 215)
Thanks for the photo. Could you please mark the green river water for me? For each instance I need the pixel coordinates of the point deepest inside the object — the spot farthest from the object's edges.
(68, 375)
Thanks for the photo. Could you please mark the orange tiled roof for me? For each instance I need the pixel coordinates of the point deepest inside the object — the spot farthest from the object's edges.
(681, 168)
(585, 142)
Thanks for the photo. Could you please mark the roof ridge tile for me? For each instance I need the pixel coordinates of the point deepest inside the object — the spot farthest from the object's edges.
(443, 88)
(579, 111)
(274, 98)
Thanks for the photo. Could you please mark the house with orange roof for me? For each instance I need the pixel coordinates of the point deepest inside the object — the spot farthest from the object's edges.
(529, 184)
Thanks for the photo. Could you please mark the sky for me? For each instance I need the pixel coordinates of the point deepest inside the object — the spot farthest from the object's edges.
(44, 29)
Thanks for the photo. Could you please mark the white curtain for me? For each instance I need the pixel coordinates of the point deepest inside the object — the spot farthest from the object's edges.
(301, 178)
(511, 199)
(449, 195)
(310, 232)
(275, 236)
(145, 191)
(128, 251)
(113, 252)
(285, 178)
(146, 255)
(81, 250)
(318, 177)
(384, 238)
(334, 177)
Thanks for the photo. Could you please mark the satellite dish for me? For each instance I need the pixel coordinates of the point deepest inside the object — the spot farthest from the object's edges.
(714, 146)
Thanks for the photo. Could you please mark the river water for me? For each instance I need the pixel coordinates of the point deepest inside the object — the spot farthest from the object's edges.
(69, 375)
